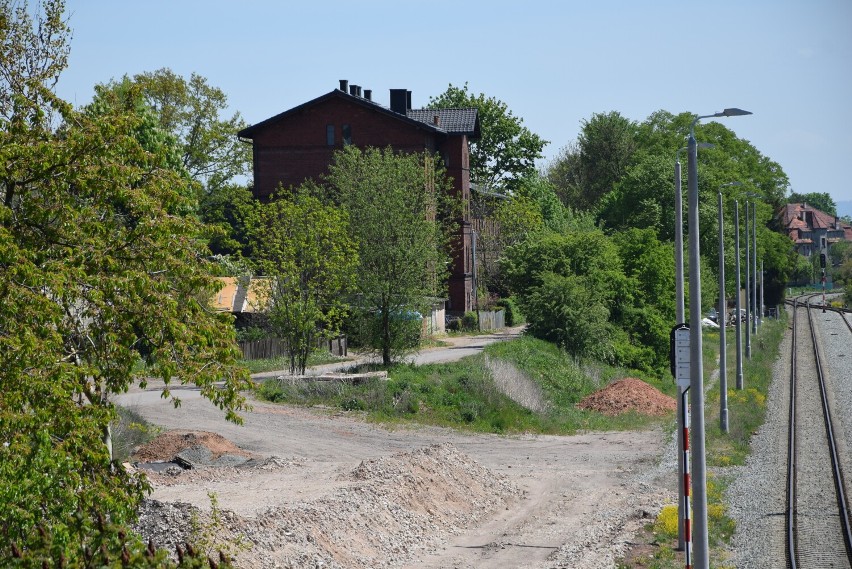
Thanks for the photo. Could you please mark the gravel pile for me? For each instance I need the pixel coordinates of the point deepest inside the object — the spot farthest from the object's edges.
(389, 510)
(629, 394)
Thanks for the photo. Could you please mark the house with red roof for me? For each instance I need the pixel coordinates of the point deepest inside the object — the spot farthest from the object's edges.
(811, 230)
(299, 144)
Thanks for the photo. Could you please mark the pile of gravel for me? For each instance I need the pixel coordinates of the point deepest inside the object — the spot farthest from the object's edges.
(389, 510)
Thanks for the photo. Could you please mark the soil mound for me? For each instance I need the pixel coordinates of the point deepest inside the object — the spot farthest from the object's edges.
(171, 443)
(629, 394)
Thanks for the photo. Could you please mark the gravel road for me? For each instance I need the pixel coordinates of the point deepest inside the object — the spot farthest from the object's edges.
(341, 492)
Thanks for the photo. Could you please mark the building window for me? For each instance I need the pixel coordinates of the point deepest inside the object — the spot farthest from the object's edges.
(347, 135)
(329, 135)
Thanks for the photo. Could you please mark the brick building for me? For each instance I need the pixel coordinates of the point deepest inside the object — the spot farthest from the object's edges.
(299, 143)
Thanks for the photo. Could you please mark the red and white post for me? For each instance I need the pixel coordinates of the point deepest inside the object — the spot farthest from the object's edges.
(687, 513)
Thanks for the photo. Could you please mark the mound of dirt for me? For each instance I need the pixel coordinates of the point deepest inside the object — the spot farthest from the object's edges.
(171, 443)
(388, 511)
(629, 394)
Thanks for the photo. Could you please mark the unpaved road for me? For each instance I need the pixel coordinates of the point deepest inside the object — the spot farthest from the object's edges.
(581, 497)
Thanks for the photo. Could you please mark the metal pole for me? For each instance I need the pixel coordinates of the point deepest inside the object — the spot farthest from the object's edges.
(747, 285)
(696, 367)
(723, 309)
(738, 320)
(682, 468)
(754, 268)
(760, 321)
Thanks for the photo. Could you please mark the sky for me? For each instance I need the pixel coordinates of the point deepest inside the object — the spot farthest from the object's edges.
(554, 63)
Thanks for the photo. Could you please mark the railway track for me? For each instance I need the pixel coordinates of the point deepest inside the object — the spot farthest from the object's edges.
(817, 515)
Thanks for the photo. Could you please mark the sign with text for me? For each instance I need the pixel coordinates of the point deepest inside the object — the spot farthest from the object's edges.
(679, 354)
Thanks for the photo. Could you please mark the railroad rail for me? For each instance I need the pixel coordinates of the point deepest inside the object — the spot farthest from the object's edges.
(817, 515)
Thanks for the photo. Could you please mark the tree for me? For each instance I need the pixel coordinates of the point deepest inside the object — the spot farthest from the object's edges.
(303, 249)
(506, 151)
(227, 210)
(98, 268)
(588, 170)
(397, 206)
(819, 200)
(190, 111)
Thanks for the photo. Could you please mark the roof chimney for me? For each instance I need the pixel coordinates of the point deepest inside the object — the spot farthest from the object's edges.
(368, 94)
(344, 85)
(436, 120)
(408, 100)
(399, 101)
(353, 90)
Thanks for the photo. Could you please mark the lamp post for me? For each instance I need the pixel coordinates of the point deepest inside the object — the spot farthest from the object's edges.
(681, 318)
(747, 285)
(754, 305)
(696, 366)
(723, 309)
(738, 319)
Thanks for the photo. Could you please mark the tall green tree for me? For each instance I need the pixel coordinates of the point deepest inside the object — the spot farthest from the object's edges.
(398, 216)
(506, 151)
(590, 169)
(98, 268)
(192, 110)
(304, 252)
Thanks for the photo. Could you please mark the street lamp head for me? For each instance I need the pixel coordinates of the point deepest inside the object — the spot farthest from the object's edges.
(734, 112)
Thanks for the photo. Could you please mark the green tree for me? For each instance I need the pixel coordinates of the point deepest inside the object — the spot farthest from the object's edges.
(191, 110)
(397, 216)
(506, 151)
(227, 209)
(591, 168)
(819, 200)
(97, 269)
(303, 249)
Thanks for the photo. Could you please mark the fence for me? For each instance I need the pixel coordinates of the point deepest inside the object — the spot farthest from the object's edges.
(492, 319)
(269, 348)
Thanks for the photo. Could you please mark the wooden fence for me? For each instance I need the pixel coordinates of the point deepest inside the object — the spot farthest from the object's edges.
(269, 348)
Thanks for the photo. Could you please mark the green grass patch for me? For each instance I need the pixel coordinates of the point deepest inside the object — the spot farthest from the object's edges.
(464, 395)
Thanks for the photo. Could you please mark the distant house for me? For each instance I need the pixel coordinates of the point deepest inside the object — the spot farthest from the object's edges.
(811, 230)
(299, 144)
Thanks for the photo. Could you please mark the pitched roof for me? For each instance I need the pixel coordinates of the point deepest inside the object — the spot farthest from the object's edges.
(453, 121)
(450, 121)
(792, 216)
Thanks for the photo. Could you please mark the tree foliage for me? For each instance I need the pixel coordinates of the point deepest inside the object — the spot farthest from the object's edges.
(303, 250)
(190, 110)
(401, 218)
(506, 151)
(98, 267)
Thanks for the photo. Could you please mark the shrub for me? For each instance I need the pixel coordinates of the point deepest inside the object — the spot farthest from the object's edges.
(667, 521)
(470, 321)
(511, 315)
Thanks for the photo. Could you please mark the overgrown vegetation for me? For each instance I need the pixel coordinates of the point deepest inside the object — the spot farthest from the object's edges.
(464, 395)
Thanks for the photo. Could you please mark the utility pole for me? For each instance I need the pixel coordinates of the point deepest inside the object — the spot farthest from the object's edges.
(738, 319)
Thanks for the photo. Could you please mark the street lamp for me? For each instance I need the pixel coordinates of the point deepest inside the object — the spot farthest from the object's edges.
(680, 319)
(748, 283)
(738, 320)
(754, 305)
(696, 366)
(723, 309)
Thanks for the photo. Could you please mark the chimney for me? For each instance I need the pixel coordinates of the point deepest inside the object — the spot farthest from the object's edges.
(353, 90)
(357, 90)
(344, 85)
(368, 94)
(400, 100)
(436, 120)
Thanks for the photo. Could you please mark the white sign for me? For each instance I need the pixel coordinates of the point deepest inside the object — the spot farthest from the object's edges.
(682, 352)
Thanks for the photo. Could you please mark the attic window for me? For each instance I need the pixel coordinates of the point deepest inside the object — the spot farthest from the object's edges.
(329, 135)
(347, 135)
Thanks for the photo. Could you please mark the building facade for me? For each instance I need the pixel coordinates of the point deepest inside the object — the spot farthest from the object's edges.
(299, 144)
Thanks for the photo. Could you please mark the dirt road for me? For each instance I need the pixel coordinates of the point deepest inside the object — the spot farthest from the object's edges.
(356, 494)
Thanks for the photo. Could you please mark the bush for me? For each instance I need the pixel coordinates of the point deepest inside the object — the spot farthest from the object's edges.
(470, 321)
(511, 314)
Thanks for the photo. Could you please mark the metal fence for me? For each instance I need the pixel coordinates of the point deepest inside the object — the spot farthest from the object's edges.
(492, 319)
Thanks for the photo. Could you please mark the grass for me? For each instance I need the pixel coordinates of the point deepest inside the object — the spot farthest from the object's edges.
(464, 395)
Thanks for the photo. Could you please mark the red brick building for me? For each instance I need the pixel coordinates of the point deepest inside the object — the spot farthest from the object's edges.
(298, 144)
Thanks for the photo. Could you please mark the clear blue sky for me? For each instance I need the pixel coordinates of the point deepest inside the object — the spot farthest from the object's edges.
(554, 63)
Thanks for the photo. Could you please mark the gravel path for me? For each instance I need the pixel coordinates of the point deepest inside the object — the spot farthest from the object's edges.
(757, 495)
